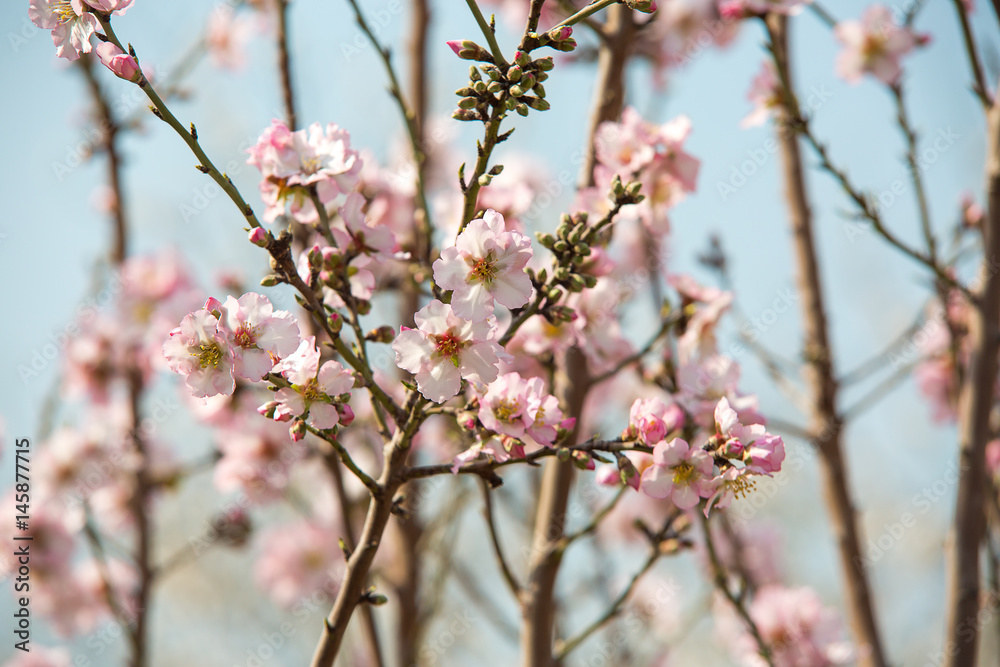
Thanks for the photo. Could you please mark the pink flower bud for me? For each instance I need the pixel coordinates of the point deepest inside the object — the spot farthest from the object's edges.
(258, 237)
(456, 46)
(116, 60)
(345, 414)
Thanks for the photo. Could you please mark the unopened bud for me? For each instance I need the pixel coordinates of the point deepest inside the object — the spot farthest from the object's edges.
(465, 114)
(537, 103)
(545, 64)
(521, 109)
(383, 334)
(566, 45)
(516, 90)
(514, 73)
(644, 6)
(522, 58)
(469, 50)
(336, 322)
(258, 237)
(468, 103)
(269, 280)
(474, 74)
(485, 180)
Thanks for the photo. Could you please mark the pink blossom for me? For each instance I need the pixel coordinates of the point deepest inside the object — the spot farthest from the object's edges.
(445, 349)
(122, 64)
(291, 162)
(761, 451)
(199, 351)
(40, 656)
(765, 94)
(70, 23)
(504, 406)
(298, 559)
(738, 9)
(257, 334)
(226, 36)
(798, 629)
(359, 236)
(495, 448)
(314, 387)
(546, 415)
(652, 154)
(680, 472)
(486, 263)
(651, 420)
(875, 45)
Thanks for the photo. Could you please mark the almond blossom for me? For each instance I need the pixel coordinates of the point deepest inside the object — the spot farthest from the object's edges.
(257, 334)
(521, 408)
(71, 24)
(650, 420)
(680, 472)
(445, 349)
(874, 45)
(486, 263)
(798, 629)
(200, 352)
(636, 149)
(298, 559)
(292, 162)
(759, 449)
(765, 94)
(313, 389)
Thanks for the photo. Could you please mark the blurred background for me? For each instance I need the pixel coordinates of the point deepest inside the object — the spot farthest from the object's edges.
(54, 240)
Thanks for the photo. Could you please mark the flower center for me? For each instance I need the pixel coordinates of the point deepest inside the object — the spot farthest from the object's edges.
(246, 336)
(873, 46)
(310, 165)
(209, 354)
(507, 410)
(63, 9)
(742, 485)
(311, 390)
(484, 270)
(448, 346)
(684, 473)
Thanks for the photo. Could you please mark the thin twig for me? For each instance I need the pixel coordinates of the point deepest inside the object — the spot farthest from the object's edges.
(512, 583)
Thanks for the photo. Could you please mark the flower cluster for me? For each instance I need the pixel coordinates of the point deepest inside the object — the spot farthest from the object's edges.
(635, 149)
(875, 45)
(243, 337)
(719, 471)
(72, 22)
(297, 165)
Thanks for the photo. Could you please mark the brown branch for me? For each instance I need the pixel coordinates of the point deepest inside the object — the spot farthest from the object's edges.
(332, 462)
(380, 508)
(978, 79)
(975, 402)
(285, 65)
(538, 605)
(820, 375)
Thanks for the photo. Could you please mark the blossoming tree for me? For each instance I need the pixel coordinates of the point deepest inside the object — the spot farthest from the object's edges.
(512, 333)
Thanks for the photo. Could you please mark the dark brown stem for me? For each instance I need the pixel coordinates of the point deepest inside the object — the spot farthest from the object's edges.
(820, 377)
(538, 605)
(332, 462)
(978, 79)
(285, 65)
(609, 89)
(410, 562)
(109, 131)
(975, 401)
(380, 508)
